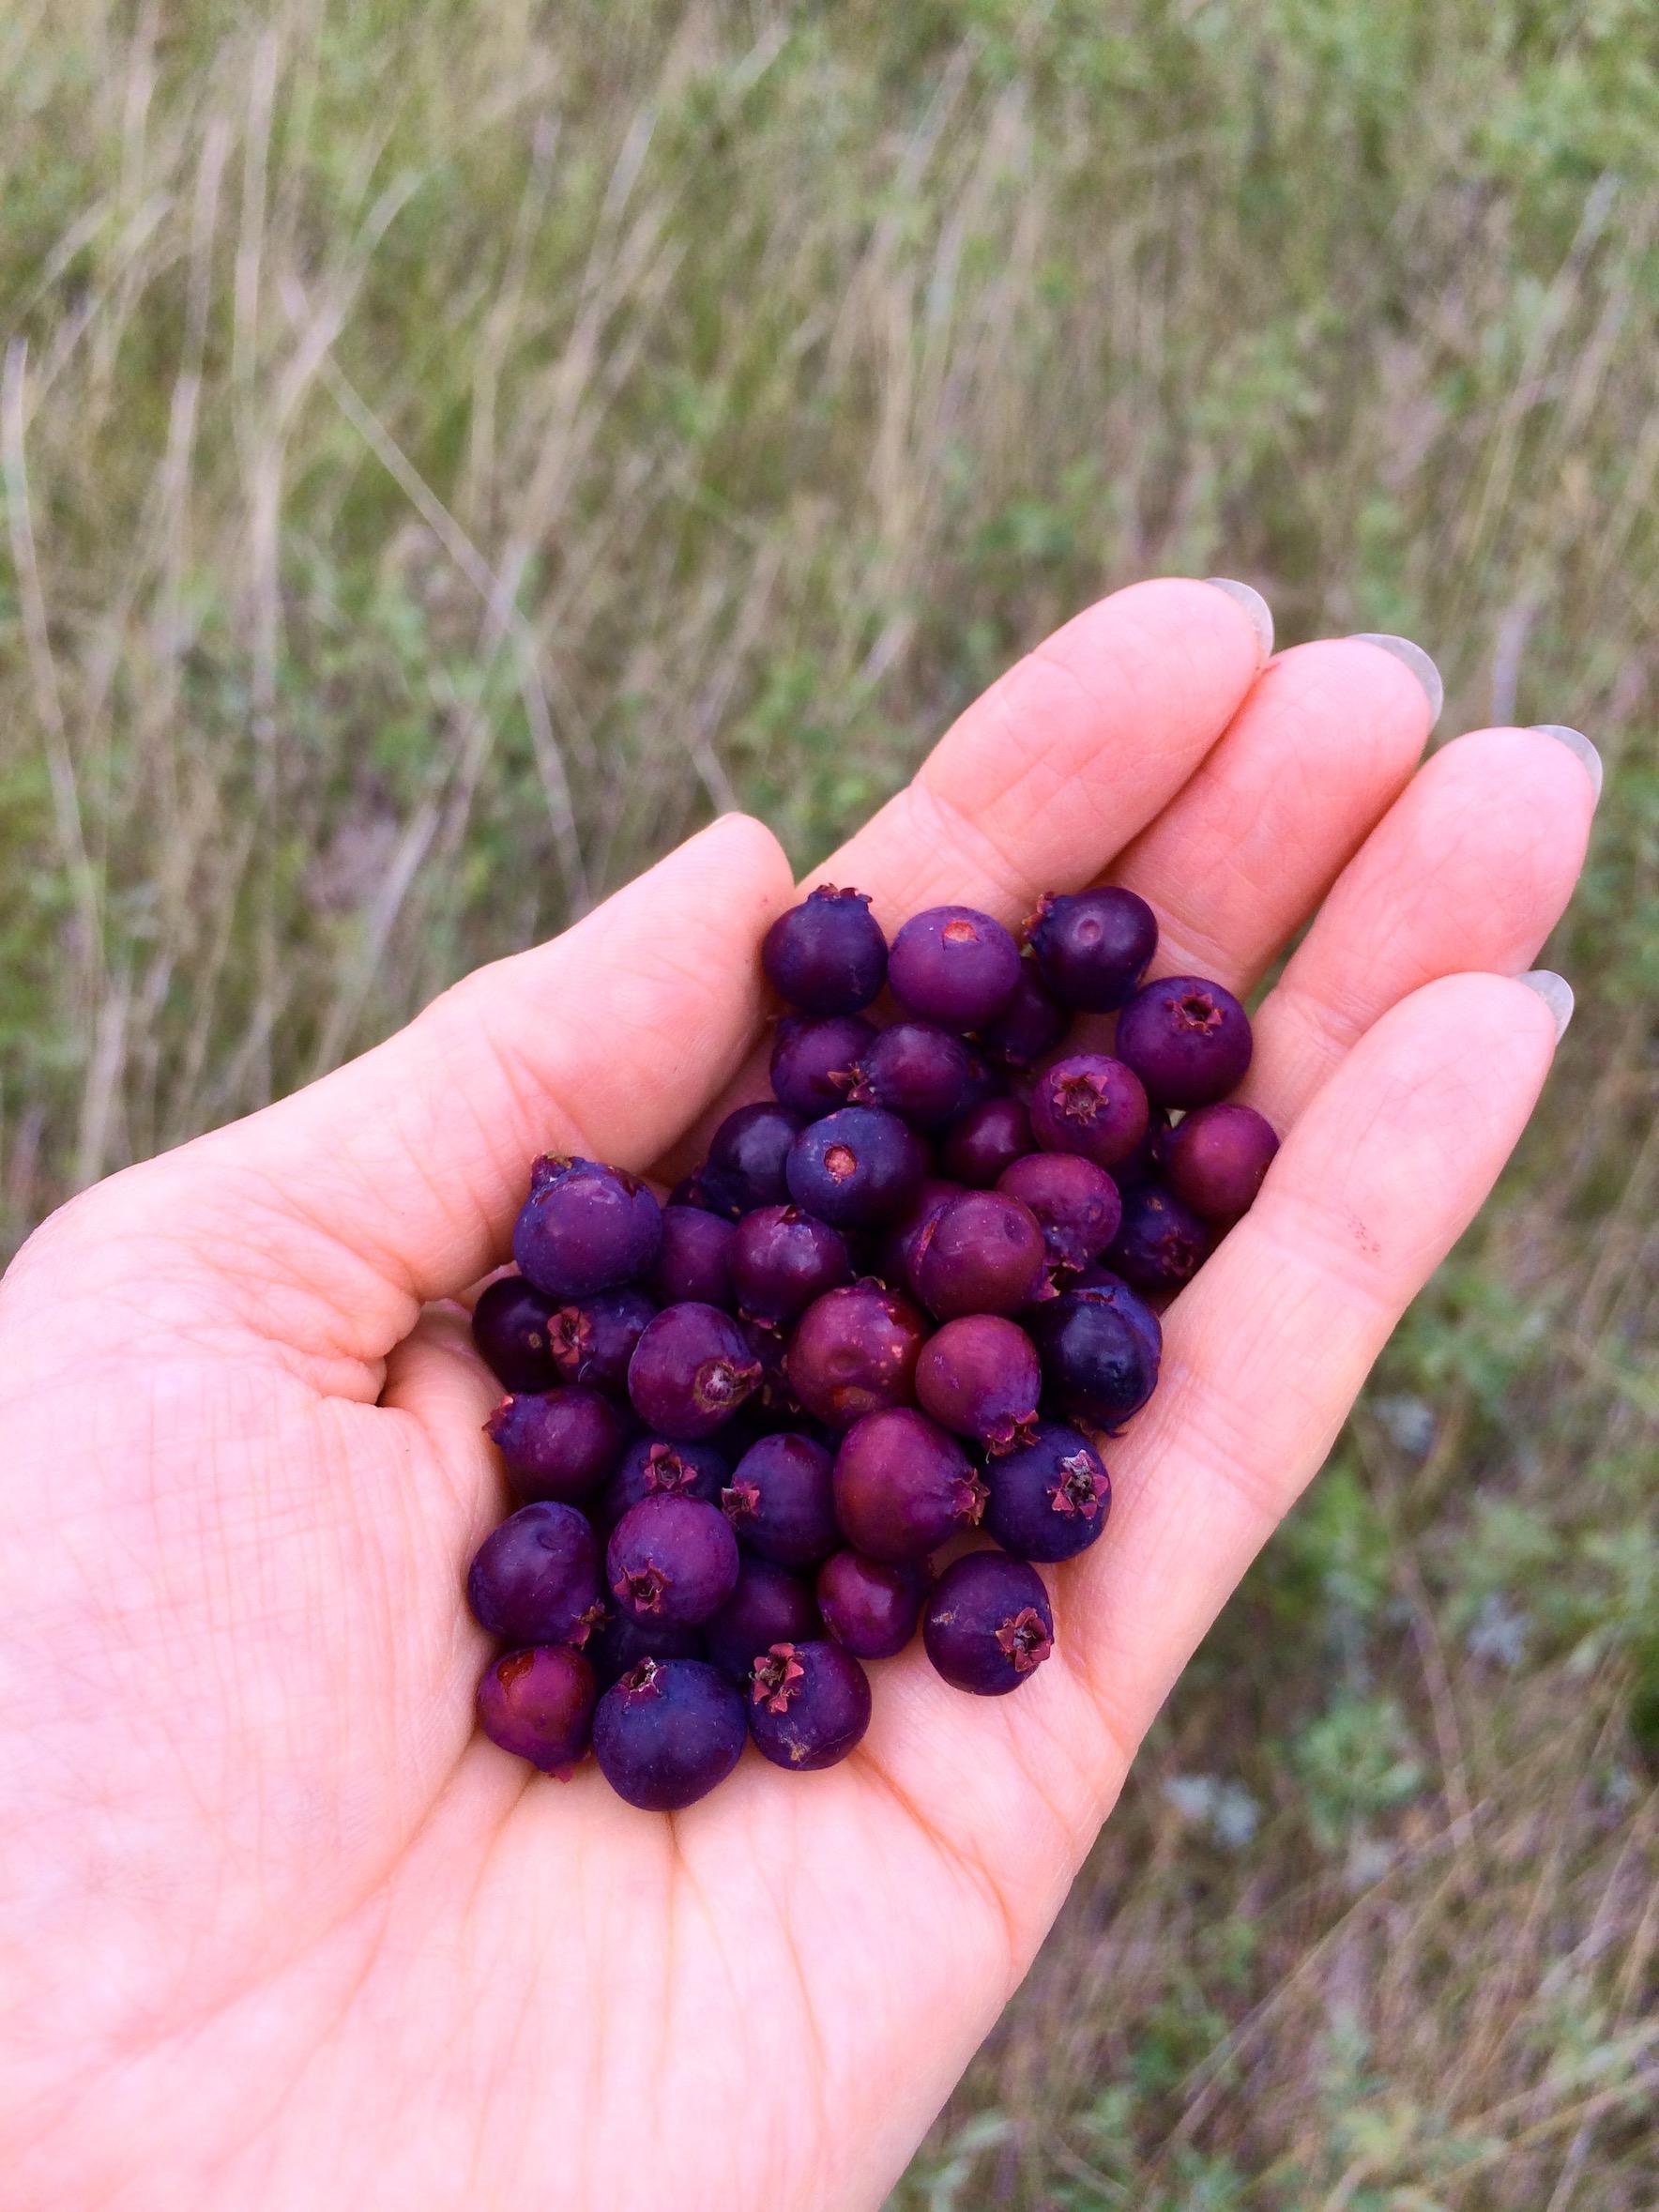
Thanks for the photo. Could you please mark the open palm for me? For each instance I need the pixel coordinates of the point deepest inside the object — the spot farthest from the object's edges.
(277, 1929)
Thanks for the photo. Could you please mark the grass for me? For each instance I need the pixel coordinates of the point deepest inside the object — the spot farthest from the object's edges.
(448, 451)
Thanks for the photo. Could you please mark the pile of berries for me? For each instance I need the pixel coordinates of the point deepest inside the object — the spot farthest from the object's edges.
(905, 1299)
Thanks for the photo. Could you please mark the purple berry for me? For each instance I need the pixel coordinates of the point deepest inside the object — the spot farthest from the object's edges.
(980, 1377)
(902, 1486)
(509, 1328)
(1076, 1204)
(871, 1606)
(781, 1259)
(1146, 1162)
(769, 1605)
(1161, 1243)
(537, 1704)
(988, 1625)
(1217, 1158)
(774, 1396)
(591, 1340)
(1187, 1040)
(1050, 1498)
(694, 1260)
(1099, 1348)
(1031, 1024)
(691, 1370)
(827, 955)
(1089, 1104)
(903, 1245)
(655, 1466)
(585, 1228)
(667, 1732)
(535, 1579)
(557, 1443)
(781, 1501)
(854, 1352)
(746, 1159)
(620, 1645)
(1093, 946)
(914, 1070)
(672, 1559)
(954, 965)
(813, 1061)
(983, 1081)
(985, 1254)
(809, 1705)
(979, 1144)
(856, 1168)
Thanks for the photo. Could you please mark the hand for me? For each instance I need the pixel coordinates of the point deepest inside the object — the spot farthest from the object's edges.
(278, 1931)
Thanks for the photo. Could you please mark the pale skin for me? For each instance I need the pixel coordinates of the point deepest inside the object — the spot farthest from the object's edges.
(278, 1929)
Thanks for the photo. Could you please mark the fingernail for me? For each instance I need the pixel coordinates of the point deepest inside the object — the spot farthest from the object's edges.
(1416, 660)
(1556, 992)
(1575, 741)
(1261, 615)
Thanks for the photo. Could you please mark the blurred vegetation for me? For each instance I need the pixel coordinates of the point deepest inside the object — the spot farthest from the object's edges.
(448, 451)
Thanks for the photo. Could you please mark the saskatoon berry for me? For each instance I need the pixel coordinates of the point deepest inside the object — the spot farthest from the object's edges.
(1217, 1158)
(1099, 1348)
(983, 1081)
(746, 1156)
(591, 1340)
(585, 1228)
(774, 1396)
(691, 1370)
(537, 1704)
(980, 1377)
(985, 1254)
(903, 1244)
(535, 1579)
(769, 1605)
(557, 1443)
(809, 1704)
(854, 1351)
(672, 1559)
(856, 1168)
(914, 1070)
(781, 1259)
(871, 1606)
(1031, 1024)
(1093, 946)
(813, 1061)
(667, 1732)
(979, 1144)
(988, 1625)
(1146, 1162)
(1089, 1104)
(509, 1328)
(903, 1485)
(827, 955)
(1050, 1498)
(620, 1645)
(781, 1501)
(694, 1260)
(1076, 1204)
(1187, 1040)
(1161, 1243)
(655, 1465)
(953, 966)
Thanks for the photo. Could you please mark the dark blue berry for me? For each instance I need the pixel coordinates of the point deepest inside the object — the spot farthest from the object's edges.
(954, 965)
(746, 1159)
(781, 1259)
(856, 1168)
(1187, 1039)
(585, 1228)
(989, 1139)
(591, 1340)
(1048, 1499)
(827, 955)
(915, 1070)
(694, 1260)
(672, 1559)
(1031, 1024)
(535, 1579)
(781, 1501)
(1161, 1243)
(509, 1328)
(620, 1643)
(1099, 1348)
(654, 1466)
(667, 1732)
(813, 1061)
(557, 1443)
(988, 1625)
(769, 1605)
(1093, 946)
(809, 1705)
